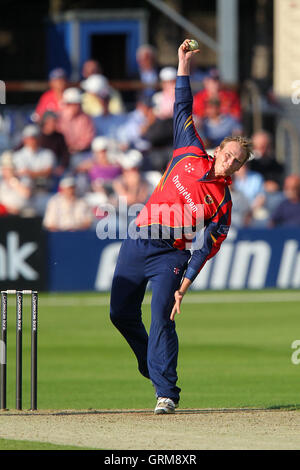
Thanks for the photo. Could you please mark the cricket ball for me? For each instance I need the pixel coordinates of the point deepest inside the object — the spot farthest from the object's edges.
(193, 45)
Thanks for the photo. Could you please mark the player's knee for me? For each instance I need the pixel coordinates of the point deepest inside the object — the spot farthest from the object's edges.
(115, 316)
(118, 314)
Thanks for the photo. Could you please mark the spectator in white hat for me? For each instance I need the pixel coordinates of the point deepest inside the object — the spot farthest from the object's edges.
(102, 169)
(76, 126)
(65, 211)
(14, 192)
(31, 160)
(102, 166)
(105, 121)
(164, 100)
(37, 164)
(96, 92)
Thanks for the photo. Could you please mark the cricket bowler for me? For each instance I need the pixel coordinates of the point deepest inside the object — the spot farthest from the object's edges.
(193, 194)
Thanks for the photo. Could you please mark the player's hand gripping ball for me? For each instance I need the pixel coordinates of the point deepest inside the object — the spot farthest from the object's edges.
(193, 45)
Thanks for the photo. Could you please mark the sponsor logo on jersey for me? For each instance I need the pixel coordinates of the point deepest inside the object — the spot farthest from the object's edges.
(184, 192)
(189, 168)
(208, 199)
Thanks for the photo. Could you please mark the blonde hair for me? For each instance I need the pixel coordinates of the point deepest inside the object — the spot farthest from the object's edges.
(244, 142)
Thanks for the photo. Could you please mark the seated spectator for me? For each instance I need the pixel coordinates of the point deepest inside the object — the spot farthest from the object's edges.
(90, 67)
(273, 195)
(229, 100)
(14, 192)
(164, 100)
(129, 134)
(51, 100)
(105, 122)
(241, 215)
(65, 211)
(51, 139)
(95, 88)
(102, 170)
(146, 60)
(249, 183)
(76, 126)
(216, 126)
(97, 199)
(145, 131)
(33, 161)
(264, 161)
(101, 166)
(131, 183)
(267, 203)
(287, 214)
(158, 134)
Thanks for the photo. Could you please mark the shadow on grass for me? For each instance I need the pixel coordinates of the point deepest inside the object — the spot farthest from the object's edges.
(284, 407)
(291, 407)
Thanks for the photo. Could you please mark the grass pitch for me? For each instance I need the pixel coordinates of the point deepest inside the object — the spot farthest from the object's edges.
(11, 444)
(235, 351)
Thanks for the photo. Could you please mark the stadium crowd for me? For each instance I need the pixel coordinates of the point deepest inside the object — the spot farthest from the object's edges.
(83, 149)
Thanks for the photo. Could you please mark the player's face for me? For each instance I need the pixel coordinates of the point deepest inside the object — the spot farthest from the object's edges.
(229, 159)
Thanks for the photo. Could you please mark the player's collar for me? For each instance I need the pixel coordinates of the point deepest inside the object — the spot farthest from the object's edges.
(220, 179)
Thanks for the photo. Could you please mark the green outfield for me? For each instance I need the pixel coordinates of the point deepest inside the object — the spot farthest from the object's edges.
(9, 444)
(235, 351)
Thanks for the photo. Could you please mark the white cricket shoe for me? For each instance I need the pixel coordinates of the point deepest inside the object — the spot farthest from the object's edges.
(164, 406)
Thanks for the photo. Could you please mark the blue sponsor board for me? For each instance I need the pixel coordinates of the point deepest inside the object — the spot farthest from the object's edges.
(77, 261)
(22, 253)
(253, 259)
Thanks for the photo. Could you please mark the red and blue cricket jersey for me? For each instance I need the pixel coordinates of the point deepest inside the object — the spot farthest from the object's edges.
(186, 198)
